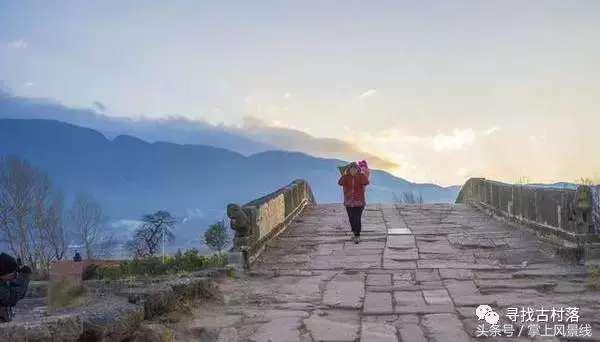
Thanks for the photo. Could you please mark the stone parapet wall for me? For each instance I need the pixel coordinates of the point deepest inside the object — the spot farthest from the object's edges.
(565, 214)
(260, 220)
(596, 208)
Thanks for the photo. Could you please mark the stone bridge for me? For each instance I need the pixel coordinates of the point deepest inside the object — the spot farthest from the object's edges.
(418, 273)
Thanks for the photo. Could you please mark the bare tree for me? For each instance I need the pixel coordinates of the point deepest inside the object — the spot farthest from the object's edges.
(88, 222)
(30, 213)
(50, 244)
(16, 188)
(156, 229)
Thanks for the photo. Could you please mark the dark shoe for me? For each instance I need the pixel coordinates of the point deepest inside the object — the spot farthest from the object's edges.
(356, 239)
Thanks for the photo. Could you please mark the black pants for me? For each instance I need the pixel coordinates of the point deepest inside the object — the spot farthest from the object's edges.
(354, 216)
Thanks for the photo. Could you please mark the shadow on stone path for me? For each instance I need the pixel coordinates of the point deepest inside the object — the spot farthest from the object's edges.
(417, 275)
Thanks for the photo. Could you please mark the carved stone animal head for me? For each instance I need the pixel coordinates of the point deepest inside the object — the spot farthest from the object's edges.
(240, 221)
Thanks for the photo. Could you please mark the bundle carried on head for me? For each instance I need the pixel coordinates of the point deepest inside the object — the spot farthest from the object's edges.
(362, 167)
(344, 168)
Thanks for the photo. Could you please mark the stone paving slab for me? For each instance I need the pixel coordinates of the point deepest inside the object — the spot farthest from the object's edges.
(378, 332)
(436, 247)
(401, 242)
(444, 263)
(365, 244)
(425, 309)
(345, 291)
(468, 300)
(399, 265)
(445, 327)
(437, 297)
(356, 252)
(399, 287)
(346, 261)
(379, 279)
(333, 326)
(455, 273)
(401, 255)
(280, 325)
(412, 333)
(430, 274)
(399, 231)
(284, 329)
(378, 303)
(492, 275)
(408, 276)
(409, 298)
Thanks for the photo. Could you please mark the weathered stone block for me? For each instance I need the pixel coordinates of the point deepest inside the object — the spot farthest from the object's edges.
(436, 297)
(379, 279)
(378, 303)
(411, 333)
(345, 291)
(378, 332)
(334, 326)
(445, 327)
(401, 241)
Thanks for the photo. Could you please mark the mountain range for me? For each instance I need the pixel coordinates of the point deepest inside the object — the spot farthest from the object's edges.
(131, 177)
(253, 136)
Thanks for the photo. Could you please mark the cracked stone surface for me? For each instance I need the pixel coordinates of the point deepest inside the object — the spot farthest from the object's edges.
(345, 291)
(418, 274)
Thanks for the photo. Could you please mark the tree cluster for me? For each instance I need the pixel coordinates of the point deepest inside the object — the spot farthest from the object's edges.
(33, 222)
(30, 214)
(216, 237)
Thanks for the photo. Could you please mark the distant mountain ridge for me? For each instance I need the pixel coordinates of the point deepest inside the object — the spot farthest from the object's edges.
(130, 176)
(253, 136)
(174, 129)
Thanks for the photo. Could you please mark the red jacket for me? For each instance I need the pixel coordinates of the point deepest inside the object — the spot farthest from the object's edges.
(354, 189)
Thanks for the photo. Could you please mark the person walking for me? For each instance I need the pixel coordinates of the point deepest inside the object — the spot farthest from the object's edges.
(353, 184)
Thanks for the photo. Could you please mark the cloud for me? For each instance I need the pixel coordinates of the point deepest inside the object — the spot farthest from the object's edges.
(174, 129)
(367, 94)
(462, 171)
(288, 96)
(438, 154)
(99, 106)
(18, 44)
(418, 156)
(455, 141)
(292, 139)
(28, 84)
(492, 130)
(253, 136)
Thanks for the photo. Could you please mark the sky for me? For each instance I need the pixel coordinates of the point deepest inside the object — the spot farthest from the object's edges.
(445, 90)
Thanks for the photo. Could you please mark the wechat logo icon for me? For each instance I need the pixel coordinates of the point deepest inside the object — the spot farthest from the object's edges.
(485, 312)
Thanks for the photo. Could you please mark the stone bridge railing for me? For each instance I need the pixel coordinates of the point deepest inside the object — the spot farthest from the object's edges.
(566, 215)
(262, 219)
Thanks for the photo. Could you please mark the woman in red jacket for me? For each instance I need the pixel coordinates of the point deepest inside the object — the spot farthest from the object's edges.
(353, 183)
